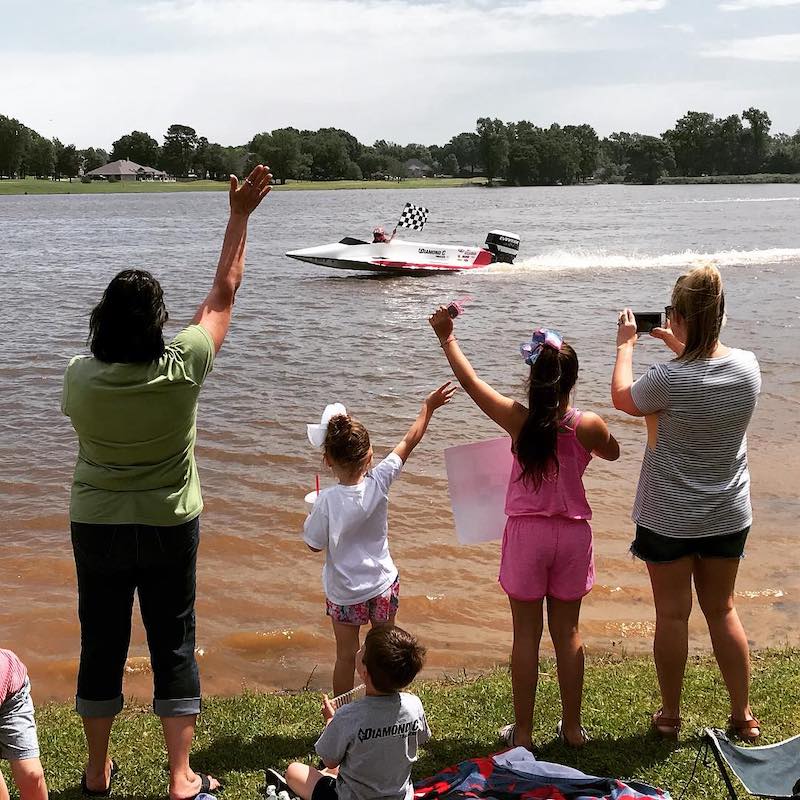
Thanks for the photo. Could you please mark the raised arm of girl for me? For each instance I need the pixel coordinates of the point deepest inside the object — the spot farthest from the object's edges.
(437, 398)
(505, 411)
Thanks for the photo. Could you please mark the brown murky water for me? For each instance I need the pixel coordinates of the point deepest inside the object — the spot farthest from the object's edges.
(304, 336)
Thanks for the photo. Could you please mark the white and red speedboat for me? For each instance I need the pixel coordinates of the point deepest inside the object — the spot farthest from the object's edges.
(418, 258)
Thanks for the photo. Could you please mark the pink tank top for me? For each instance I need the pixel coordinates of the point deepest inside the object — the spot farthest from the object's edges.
(12, 674)
(563, 497)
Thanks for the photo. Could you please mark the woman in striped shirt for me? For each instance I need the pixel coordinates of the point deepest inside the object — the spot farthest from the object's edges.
(692, 509)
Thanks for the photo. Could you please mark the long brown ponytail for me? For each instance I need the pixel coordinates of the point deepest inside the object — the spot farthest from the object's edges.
(552, 378)
(699, 299)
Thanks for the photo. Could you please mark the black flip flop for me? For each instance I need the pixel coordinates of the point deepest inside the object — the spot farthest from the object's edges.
(273, 778)
(87, 792)
(205, 785)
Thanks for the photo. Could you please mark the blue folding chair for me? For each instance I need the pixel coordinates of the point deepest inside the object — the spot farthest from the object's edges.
(769, 771)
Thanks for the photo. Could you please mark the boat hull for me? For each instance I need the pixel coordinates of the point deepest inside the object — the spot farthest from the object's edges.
(394, 257)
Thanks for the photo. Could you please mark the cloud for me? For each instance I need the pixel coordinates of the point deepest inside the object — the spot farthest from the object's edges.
(681, 27)
(783, 47)
(746, 5)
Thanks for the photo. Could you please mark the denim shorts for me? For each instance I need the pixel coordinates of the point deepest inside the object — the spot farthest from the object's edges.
(18, 738)
(654, 548)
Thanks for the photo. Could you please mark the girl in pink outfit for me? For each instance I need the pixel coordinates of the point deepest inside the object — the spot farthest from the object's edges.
(547, 542)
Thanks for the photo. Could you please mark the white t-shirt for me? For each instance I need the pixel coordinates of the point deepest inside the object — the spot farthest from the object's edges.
(351, 524)
(695, 481)
(375, 741)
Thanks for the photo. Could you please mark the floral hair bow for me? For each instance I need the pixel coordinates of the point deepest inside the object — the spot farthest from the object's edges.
(542, 337)
(317, 433)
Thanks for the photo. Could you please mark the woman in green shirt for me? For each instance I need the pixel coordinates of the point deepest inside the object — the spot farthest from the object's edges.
(135, 501)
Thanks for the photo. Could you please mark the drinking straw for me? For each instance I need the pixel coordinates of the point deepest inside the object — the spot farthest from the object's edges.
(317, 485)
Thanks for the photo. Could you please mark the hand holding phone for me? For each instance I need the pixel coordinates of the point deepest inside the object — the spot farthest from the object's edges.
(647, 320)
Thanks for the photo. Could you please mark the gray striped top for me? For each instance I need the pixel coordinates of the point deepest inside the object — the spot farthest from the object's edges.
(695, 481)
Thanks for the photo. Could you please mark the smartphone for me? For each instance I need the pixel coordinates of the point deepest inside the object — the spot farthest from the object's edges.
(647, 320)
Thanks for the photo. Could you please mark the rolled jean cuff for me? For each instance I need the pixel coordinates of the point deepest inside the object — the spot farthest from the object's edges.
(99, 708)
(177, 707)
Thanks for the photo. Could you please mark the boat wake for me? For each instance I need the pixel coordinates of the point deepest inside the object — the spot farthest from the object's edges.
(600, 260)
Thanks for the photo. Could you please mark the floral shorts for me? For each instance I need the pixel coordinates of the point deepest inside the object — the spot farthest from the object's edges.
(377, 610)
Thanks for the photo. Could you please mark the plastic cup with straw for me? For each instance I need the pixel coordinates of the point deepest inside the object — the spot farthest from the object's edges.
(311, 497)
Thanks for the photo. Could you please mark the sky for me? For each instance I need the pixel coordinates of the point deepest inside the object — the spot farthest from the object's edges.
(402, 70)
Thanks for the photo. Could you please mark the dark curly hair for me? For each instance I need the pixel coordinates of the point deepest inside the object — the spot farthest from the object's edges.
(126, 326)
(552, 377)
(347, 442)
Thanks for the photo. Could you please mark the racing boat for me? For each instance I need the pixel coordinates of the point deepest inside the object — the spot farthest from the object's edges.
(399, 256)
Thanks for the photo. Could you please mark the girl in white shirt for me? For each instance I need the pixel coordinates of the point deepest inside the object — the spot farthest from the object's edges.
(350, 522)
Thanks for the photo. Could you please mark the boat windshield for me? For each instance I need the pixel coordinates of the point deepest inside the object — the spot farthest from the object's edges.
(351, 240)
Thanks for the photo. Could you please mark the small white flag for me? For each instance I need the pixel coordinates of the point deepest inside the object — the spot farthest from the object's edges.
(413, 217)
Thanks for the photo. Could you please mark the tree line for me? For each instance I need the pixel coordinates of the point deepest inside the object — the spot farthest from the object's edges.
(520, 153)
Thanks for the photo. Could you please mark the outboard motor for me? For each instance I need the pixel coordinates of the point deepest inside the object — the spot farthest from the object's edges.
(503, 245)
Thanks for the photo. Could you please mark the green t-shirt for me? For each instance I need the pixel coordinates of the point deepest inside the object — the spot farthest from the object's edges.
(136, 434)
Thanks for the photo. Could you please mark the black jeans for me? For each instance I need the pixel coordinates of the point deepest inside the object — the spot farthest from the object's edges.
(112, 562)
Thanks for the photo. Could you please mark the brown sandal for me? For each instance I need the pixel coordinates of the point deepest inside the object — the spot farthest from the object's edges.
(748, 730)
(666, 727)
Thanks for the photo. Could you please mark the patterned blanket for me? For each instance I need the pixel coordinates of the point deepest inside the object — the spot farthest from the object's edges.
(535, 780)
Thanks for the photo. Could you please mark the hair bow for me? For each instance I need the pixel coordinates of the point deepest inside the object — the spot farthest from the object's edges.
(542, 337)
(317, 433)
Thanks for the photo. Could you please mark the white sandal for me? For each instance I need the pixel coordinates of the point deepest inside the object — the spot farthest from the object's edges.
(563, 739)
(506, 734)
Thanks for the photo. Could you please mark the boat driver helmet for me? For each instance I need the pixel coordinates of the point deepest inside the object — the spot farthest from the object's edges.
(378, 234)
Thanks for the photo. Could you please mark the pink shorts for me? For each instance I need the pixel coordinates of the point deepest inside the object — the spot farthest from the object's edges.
(547, 557)
(377, 610)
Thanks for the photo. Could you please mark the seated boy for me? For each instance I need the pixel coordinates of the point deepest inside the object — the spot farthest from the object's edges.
(368, 746)
(18, 741)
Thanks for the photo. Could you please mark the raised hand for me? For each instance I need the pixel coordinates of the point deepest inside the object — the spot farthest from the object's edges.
(440, 397)
(626, 327)
(327, 709)
(246, 196)
(668, 337)
(441, 322)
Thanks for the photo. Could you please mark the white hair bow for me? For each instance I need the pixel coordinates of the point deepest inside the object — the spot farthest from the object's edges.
(317, 433)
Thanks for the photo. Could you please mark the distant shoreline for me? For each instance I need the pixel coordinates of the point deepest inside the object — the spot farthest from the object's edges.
(34, 186)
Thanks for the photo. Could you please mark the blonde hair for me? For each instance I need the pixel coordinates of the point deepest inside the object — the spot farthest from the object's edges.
(699, 299)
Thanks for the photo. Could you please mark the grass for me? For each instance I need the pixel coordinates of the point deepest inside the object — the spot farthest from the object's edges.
(238, 736)
(763, 177)
(36, 186)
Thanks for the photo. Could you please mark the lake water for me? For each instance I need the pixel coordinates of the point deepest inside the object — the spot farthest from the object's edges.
(304, 336)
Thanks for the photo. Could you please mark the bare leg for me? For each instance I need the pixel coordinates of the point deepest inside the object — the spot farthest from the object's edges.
(714, 580)
(302, 779)
(562, 620)
(178, 735)
(347, 644)
(3, 788)
(672, 595)
(527, 620)
(98, 768)
(29, 777)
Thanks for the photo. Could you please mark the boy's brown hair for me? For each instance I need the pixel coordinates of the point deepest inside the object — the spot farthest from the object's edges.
(393, 657)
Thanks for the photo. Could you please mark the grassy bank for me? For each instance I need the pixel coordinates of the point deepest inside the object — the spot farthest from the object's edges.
(35, 186)
(707, 179)
(238, 736)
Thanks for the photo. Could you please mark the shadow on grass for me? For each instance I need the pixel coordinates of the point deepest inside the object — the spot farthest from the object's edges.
(236, 754)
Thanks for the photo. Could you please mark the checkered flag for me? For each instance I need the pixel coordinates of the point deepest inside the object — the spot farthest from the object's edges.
(413, 217)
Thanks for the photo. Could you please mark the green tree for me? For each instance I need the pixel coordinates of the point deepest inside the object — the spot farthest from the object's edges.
(67, 160)
(177, 152)
(136, 146)
(493, 147)
(649, 158)
(588, 144)
(756, 138)
(692, 142)
(328, 153)
(466, 148)
(92, 158)
(727, 153)
(450, 165)
(40, 157)
(14, 142)
(282, 150)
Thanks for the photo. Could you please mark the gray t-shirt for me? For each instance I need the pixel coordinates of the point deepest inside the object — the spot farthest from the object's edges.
(375, 741)
(695, 481)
